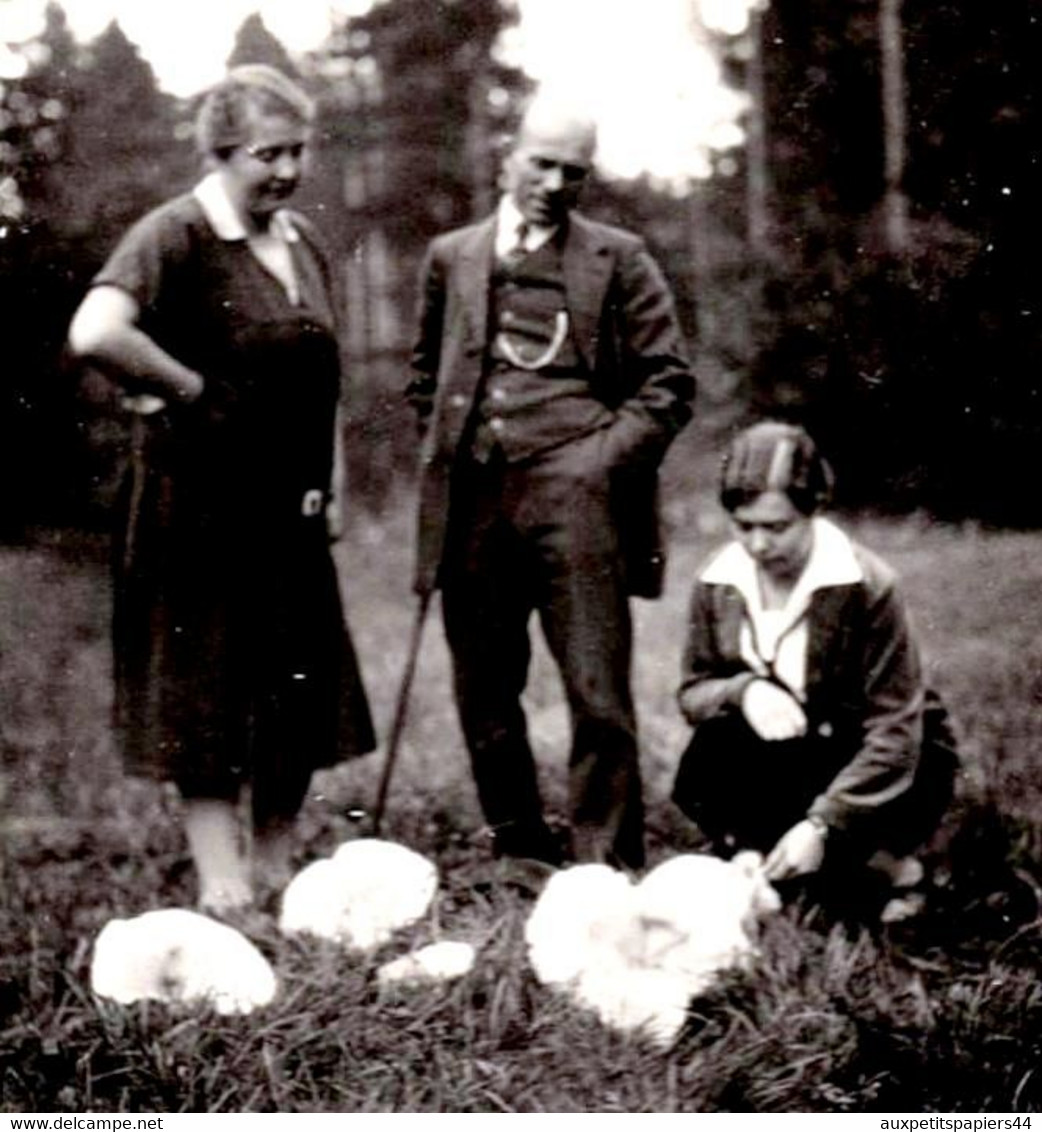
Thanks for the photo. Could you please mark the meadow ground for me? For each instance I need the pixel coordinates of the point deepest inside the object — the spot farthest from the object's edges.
(943, 1013)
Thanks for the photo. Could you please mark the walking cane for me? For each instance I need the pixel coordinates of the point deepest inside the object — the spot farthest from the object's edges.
(400, 711)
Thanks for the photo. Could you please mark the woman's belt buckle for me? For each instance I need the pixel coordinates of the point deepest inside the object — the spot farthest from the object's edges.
(312, 503)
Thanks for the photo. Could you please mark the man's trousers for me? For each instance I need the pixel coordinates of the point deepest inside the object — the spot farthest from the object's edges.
(539, 536)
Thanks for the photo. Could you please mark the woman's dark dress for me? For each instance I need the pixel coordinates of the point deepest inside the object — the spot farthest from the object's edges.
(232, 658)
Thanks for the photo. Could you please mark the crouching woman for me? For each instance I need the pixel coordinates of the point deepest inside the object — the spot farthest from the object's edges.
(816, 740)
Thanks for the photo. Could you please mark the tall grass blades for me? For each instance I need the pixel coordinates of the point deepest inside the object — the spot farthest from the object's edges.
(942, 1012)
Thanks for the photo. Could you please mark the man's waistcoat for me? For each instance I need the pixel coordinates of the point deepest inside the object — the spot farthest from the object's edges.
(536, 392)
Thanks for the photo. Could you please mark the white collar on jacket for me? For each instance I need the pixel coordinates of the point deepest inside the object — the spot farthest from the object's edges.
(224, 220)
(509, 220)
(779, 637)
(832, 562)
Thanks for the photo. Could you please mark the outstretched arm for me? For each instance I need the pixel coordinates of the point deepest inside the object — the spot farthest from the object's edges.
(884, 766)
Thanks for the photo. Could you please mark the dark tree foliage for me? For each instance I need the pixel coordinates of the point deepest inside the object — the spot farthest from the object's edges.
(421, 112)
(125, 151)
(33, 128)
(34, 111)
(918, 367)
(920, 371)
(977, 166)
(823, 109)
(97, 147)
(254, 43)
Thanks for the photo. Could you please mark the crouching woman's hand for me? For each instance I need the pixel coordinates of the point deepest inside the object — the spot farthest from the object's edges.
(799, 851)
(772, 712)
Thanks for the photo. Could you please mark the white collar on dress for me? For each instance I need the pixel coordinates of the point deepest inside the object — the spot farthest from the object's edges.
(832, 562)
(509, 220)
(224, 220)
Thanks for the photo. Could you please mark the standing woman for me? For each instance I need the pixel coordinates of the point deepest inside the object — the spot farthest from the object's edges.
(816, 740)
(233, 665)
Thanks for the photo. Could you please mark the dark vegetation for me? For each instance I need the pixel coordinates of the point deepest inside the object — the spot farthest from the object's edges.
(912, 352)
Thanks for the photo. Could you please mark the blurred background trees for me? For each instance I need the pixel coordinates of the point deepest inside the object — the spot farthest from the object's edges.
(903, 315)
(865, 263)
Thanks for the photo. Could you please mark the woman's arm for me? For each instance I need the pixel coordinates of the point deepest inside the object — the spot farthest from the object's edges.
(104, 331)
(891, 674)
(336, 502)
(713, 677)
(717, 680)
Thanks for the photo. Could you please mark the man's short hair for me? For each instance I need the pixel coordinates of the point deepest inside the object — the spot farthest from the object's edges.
(554, 113)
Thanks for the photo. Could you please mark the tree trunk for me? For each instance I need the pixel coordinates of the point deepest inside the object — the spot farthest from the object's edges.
(891, 48)
(701, 264)
(482, 199)
(757, 176)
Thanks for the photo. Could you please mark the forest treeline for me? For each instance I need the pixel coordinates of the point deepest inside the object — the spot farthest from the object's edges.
(864, 264)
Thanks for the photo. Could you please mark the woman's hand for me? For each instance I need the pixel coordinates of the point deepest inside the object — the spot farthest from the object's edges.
(187, 387)
(772, 712)
(798, 852)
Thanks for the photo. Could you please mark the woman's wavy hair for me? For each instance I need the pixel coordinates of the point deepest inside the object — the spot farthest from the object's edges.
(222, 123)
(775, 456)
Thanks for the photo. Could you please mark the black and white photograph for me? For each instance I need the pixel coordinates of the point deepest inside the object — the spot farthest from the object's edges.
(520, 557)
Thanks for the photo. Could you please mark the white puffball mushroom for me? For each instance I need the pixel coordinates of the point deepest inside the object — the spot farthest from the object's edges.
(635, 999)
(576, 905)
(637, 954)
(360, 896)
(178, 956)
(701, 914)
(436, 963)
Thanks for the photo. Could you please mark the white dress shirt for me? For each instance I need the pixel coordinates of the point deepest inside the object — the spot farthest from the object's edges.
(509, 223)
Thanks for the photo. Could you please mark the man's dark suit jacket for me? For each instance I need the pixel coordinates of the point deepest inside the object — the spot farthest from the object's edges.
(624, 326)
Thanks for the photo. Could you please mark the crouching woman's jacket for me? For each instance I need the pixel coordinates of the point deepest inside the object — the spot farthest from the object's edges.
(863, 690)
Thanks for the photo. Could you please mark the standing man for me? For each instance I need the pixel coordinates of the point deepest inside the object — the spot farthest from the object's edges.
(550, 371)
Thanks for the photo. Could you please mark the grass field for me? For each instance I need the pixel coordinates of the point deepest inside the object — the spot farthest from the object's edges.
(940, 1014)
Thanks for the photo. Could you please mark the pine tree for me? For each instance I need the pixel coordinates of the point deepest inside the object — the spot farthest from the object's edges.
(123, 152)
(904, 146)
(415, 108)
(95, 148)
(254, 43)
(427, 98)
